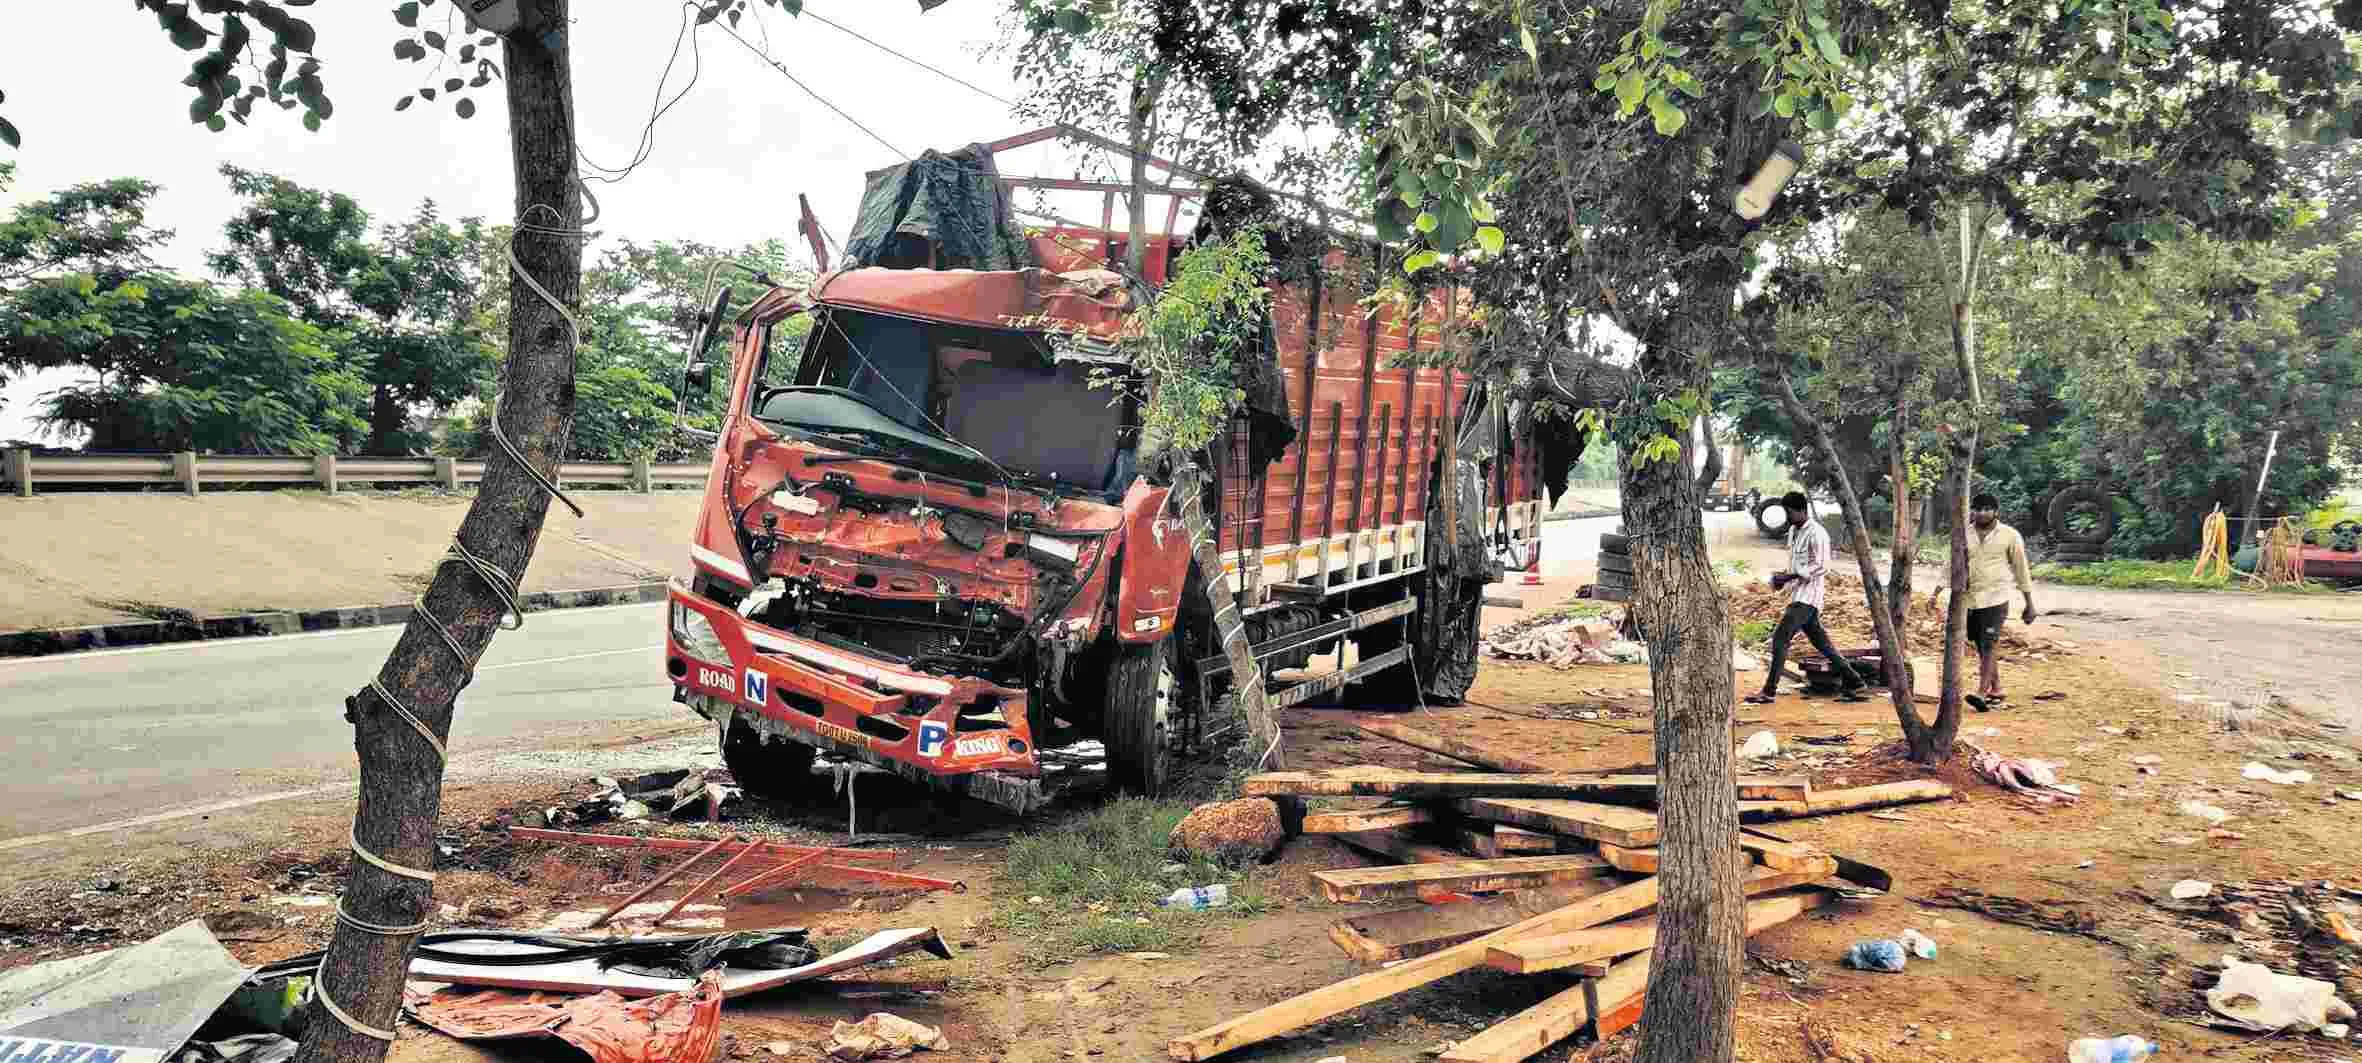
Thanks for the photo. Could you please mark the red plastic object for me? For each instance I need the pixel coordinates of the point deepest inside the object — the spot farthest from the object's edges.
(673, 1028)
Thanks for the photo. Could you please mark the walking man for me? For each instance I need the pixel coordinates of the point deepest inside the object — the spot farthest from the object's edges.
(1996, 557)
(1807, 581)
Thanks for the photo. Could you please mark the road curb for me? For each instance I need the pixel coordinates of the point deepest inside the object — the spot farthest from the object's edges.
(52, 641)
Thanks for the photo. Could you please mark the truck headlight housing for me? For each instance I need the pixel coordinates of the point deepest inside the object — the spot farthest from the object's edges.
(697, 636)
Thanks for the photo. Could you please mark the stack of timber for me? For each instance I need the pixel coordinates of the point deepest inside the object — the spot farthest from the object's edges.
(1550, 873)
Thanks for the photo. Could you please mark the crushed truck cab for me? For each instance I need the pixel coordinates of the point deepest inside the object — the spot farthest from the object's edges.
(930, 542)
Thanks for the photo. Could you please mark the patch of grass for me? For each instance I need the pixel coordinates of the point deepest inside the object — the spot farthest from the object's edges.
(1092, 883)
(1754, 632)
(1735, 567)
(2127, 574)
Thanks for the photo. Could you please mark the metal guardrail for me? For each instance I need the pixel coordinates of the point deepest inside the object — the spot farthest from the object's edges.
(24, 470)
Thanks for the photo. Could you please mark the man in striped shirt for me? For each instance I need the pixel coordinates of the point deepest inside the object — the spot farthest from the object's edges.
(1807, 581)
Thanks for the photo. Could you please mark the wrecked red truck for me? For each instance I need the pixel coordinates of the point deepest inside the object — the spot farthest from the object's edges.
(931, 545)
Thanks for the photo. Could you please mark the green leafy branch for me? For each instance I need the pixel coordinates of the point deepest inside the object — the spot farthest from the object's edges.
(1186, 345)
(1429, 176)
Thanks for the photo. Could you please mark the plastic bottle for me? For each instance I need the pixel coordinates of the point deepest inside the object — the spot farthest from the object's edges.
(1919, 944)
(1214, 896)
(2125, 1049)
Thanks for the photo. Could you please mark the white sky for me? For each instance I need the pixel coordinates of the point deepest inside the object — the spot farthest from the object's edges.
(94, 87)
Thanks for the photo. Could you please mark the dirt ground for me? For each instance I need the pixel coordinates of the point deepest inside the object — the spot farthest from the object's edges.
(72, 559)
(2115, 958)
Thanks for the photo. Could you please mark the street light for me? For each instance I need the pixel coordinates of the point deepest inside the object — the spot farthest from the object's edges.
(1755, 197)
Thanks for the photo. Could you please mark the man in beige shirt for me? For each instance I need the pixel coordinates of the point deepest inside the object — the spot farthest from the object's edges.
(1996, 558)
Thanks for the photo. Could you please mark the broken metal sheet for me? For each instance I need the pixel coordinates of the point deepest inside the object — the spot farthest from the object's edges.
(586, 976)
(611, 1028)
(135, 1004)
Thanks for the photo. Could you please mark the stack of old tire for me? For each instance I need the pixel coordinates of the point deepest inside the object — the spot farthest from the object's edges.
(1771, 518)
(2080, 544)
(1615, 568)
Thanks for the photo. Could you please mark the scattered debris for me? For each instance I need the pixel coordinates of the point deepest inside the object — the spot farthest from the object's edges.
(1884, 955)
(605, 1025)
(2036, 779)
(882, 1036)
(2263, 773)
(2059, 916)
(751, 960)
(2253, 997)
(2202, 810)
(1231, 833)
(248, 1048)
(1759, 745)
(135, 1004)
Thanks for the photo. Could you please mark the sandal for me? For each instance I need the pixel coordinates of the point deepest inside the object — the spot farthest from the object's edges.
(1759, 699)
(1975, 701)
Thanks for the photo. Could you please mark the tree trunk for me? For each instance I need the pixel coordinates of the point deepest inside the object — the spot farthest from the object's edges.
(1145, 91)
(1857, 530)
(1964, 458)
(385, 423)
(1694, 976)
(1906, 534)
(401, 775)
(1190, 486)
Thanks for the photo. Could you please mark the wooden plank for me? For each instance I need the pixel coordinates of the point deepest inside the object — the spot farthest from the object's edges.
(1638, 861)
(1350, 820)
(1373, 781)
(1394, 845)
(1493, 841)
(1457, 749)
(1300, 1011)
(1463, 876)
(1829, 802)
(1615, 997)
(1854, 871)
(1557, 951)
(1609, 824)
(1384, 937)
(1534, 1030)
(1786, 856)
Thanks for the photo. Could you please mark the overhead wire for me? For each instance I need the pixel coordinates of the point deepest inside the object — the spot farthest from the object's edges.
(658, 107)
(824, 101)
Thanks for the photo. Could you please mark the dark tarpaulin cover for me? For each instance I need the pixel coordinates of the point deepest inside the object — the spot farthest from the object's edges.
(951, 203)
(1233, 203)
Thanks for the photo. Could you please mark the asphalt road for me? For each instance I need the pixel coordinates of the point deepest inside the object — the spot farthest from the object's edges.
(103, 737)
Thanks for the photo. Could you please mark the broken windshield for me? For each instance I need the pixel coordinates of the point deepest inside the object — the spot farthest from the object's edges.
(997, 393)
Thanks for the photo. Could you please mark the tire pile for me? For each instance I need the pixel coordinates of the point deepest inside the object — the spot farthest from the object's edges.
(1615, 568)
(2072, 546)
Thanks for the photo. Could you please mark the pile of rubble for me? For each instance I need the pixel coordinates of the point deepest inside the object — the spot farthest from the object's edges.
(1529, 871)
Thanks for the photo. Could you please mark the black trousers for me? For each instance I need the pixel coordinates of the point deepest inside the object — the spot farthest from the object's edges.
(1805, 618)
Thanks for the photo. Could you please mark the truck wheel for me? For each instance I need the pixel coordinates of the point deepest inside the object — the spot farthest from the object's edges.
(1620, 564)
(1772, 527)
(773, 770)
(2079, 498)
(1141, 691)
(1615, 543)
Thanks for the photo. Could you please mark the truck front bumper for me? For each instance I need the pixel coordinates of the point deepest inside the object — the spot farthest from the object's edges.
(958, 733)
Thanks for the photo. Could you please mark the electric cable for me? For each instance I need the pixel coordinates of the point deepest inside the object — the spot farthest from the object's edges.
(809, 91)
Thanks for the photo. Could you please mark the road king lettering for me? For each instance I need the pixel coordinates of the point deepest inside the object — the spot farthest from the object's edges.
(713, 677)
(976, 747)
(758, 687)
(932, 735)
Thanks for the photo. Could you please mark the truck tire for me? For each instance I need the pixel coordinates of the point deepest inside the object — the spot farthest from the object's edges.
(773, 770)
(1141, 688)
(2063, 506)
(1620, 564)
(1618, 580)
(1771, 527)
(1615, 543)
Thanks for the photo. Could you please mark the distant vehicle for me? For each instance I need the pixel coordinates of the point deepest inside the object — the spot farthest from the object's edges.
(1727, 497)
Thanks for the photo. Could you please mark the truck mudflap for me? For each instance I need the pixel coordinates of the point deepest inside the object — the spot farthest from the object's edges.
(847, 703)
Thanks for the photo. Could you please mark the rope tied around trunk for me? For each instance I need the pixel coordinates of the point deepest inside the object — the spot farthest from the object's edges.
(502, 585)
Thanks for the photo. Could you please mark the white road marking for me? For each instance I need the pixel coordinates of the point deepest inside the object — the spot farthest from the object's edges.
(173, 814)
(569, 657)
